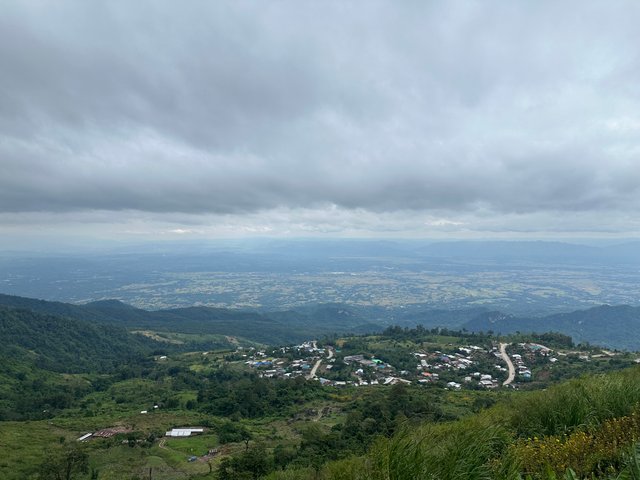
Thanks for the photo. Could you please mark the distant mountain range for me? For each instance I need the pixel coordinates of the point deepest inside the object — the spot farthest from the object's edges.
(272, 328)
(608, 326)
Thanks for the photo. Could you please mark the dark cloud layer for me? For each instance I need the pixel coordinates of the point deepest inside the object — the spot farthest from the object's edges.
(467, 108)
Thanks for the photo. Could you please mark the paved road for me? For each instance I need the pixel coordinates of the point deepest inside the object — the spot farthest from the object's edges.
(505, 357)
(312, 374)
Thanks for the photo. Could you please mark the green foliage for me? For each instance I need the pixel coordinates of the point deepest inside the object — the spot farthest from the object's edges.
(380, 411)
(571, 431)
(64, 463)
(249, 396)
(65, 345)
(251, 464)
(576, 404)
(612, 326)
(599, 450)
(274, 328)
(38, 350)
(461, 450)
(551, 339)
(232, 432)
(421, 334)
(378, 414)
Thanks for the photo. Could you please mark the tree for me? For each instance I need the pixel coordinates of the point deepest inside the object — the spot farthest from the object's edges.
(246, 436)
(283, 455)
(249, 465)
(64, 463)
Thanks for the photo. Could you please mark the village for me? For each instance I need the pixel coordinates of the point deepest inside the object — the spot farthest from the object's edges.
(454, 368)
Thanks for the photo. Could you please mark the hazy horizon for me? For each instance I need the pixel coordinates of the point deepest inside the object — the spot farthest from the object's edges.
(82, 246)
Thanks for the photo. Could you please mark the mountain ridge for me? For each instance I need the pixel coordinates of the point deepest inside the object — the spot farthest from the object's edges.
(610, 326)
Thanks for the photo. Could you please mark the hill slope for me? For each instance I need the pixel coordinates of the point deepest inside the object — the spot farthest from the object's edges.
(38, 352)
(609, 326)
(270, 328)
(64, 344)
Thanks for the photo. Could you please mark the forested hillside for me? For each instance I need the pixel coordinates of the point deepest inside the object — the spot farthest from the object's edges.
(68, 345)
(38, 352)
(610, 326)
(270, 328)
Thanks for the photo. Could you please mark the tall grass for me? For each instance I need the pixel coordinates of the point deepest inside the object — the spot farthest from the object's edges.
(632, 465)
(576, 405)
(461, 450)
(292, 474)
(600, 451)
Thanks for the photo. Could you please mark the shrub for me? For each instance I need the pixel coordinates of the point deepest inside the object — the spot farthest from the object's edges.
(597, 451)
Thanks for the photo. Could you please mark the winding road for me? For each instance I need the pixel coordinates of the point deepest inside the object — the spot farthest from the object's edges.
(312, 374)
(512, 369)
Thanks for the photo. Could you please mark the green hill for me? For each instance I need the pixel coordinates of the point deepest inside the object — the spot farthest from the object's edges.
(48, 361)
(270, 328)
(609, 326)
(68, 345)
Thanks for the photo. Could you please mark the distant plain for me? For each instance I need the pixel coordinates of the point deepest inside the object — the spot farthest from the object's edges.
(515, 277)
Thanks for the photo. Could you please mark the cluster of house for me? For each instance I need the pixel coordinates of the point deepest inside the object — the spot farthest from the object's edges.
(270, 366)
(461, 360)
(387, 380)
(430, 368)
(483, 379)
(366, 362)
(372, 371)
(537, 348)
(275, 368)
(522, 370)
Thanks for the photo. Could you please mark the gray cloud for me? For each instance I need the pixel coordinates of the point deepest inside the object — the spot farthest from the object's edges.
(452, 110)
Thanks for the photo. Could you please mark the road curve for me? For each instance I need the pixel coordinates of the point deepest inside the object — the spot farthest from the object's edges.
(512, 369)
(312, 374)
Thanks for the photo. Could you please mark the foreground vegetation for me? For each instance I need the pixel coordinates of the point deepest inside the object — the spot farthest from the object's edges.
(585, 428)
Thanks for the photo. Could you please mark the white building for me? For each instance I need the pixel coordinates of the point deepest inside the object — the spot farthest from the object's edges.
(183, 432)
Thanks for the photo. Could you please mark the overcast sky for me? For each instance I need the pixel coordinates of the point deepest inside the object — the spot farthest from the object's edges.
(192, 119)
